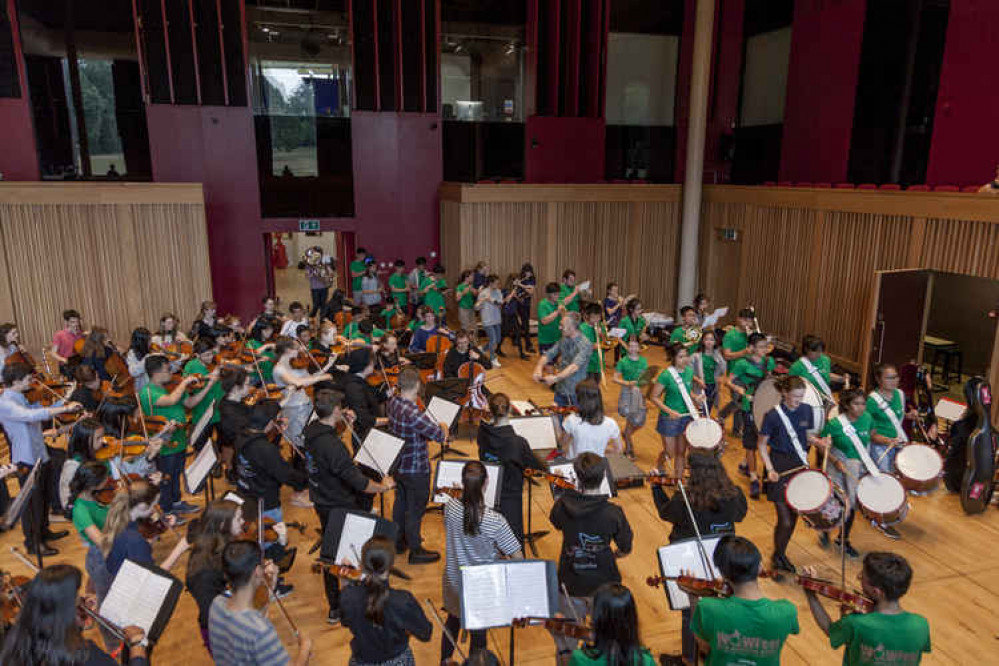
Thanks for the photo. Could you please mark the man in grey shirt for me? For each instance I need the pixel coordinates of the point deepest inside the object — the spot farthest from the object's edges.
(573, 352)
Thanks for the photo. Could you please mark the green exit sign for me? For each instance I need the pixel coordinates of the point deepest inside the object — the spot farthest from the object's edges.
(308, 225)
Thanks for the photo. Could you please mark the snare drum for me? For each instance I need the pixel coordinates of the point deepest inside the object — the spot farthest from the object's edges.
(919, 468)
(882, 499)
(704, 434)
(810, 494)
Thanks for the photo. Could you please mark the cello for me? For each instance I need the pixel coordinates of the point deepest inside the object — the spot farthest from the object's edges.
(977, 484)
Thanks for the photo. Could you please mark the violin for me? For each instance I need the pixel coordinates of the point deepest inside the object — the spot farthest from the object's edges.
(977, 484)
(12, 589)
(126, 447)
(310, 360)
(554, 479)
(338, 570)
(153, 525)
(176, 378)
(44, 391)
(699, 587)
(251, 533)
(453, 491)
(268, 392)
(559, 625)
(152, 425)
(106, 492)
(175, 350)
(661, 479)
(555, 410)
(853, 600)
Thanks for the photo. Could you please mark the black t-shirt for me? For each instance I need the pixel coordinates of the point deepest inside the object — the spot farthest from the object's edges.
(590, 525)
(262, 471)
(233, 419)
(204, 586)
(362, 399)
(85, 397)
(334, 480)
(403, 617)
(719, 521)
(502, 445)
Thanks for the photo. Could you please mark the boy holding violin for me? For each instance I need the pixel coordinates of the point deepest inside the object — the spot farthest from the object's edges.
(204, 357)
(155, 400)
(887, 634)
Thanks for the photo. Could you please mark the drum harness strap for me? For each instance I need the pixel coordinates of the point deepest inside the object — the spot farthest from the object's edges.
(683, 391)
(890, 413)
(792, 434)
(819, 381)
(858, 446)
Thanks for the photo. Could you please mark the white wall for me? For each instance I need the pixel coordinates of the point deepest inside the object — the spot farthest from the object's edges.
(641, 79)
(456, 78)
(764, 84)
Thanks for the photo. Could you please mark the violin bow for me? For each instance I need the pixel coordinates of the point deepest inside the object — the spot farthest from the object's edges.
(270, 590)
(708, 566)
(309, 354)
(444, 630)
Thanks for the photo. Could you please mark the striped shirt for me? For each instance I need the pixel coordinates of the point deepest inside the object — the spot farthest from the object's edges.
(494, 537)
(243, 638)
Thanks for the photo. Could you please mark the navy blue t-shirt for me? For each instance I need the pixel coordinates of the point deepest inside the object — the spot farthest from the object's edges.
(782, 452)
(129, 545)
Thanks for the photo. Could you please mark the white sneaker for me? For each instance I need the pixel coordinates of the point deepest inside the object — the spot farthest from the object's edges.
(496, 363)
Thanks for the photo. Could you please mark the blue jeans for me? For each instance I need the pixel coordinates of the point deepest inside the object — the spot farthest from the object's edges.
(173, 465)
(493, 332)
(97, 571)
(711, 393)
(886, 464)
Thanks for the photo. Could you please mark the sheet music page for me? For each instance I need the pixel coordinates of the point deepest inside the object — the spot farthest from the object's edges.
(585, 286)
(527, 589)
(202, 423)
(197, 471)
(379, 451)
(566, 470)
(618, 333)
(685, 556)
(522, 406)
(356, 532)
(449, 476)
(539, 431)
(484, 596)
(713, 318)
(135, 597)
(442, 411)
(950, 410)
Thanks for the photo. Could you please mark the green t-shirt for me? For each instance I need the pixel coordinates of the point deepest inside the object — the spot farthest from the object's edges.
(633, 327)
(710, 366)
(842, 442)
(548, 334)
(350, 330)
(631, 370)
(390, 310)
(148, 396)
(591, 335)
(87, 513)
(563, 293)
(196, 367)
(878, 638)
(590, 657)
(266, 361)
(355, 282)
(679, 334)
(435, 300)
(397, 281)
(735, 340)
(743, 631)
(882, 422)
(822, 364)
(750, 375)
(463, 292)
(672, 397)
(414, 324)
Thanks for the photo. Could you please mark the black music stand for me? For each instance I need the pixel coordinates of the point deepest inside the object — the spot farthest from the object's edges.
(452, 390)
(17, 507)
(529, 536)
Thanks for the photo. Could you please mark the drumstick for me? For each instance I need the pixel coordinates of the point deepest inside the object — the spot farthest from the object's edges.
(792, 471)
(893, 445)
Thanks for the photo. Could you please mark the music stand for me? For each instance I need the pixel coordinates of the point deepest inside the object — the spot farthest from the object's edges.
(529, 536)
(452, 390)
(16, 508)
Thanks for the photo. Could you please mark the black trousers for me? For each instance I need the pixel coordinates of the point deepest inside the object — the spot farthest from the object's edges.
(476, 639)
(35, 515)
(331, 583)
(412, 492)
(512, 508)
(524, 318)
(319, 297)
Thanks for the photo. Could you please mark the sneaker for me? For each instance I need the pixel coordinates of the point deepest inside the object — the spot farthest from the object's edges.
(781, 563)
(851, 552)
(887, 530)
(499, 352)
(496, 363)
(184, 507)
(824, 540)
(58, 518)
(754, 489)
(423, 556)
(743, 469)
(282, 590)
(334, 616)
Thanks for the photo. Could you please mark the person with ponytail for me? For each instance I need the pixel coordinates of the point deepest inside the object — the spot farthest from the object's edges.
(381, 619)
(89, 517)
(499, 443)
(615, 631)
(122, 539)
(475, 535)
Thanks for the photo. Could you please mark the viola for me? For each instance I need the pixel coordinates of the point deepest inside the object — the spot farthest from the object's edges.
(251, 533)
(174, 350)
(338, 570)
(555, 410)
(554, 479)
(977, 484)
(126, 447)
(661, 480)
(268, 392)
(853, 600)
(559, 625)
(105, 494)
(700, 587)
(12, 590)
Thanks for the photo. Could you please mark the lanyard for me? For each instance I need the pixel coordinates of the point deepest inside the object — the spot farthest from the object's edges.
(792, 434)
(683, 391)
(890, 413)
(858, 446)
(819, 381)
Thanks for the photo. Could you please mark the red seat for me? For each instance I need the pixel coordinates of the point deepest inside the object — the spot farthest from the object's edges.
(891, 186)
(946, 188)
(867, 186)
(919, 188)
(843, 186)
(824, 186)
(971, 189)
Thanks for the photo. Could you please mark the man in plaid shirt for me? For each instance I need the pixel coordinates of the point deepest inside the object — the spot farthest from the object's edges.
(412, 475)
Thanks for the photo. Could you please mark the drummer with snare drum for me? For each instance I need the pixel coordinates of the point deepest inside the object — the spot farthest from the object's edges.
(745, 375)
(783, 444)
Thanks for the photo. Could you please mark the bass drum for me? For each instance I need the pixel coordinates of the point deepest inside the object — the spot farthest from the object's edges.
(767, 396)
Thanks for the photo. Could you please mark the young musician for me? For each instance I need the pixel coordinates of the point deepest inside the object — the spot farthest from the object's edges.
(359, 396)
(380, 618)
(673, 395)
(475, 535)
(568, 291)
(816, 368)
(238, 632)
(887, 634)
(89, 516)
(590, 430)
(262, 347)
(550, 312)
(359, 314)
(21, 422)
(357, 269)
(204, 356)
(9, 342)
(614, 305)
(398, 287)
(88, 387)
(412, 474)
(591, 526)
(371, 288)
(615, 632)
(65, 338)
(490, 304)
(746, 627)
(461, 353)
(631, 402)
(269, 314)
(428, 329)
(689, 333)
(886, 405)
(296, 406)
(464, 294)
(122, 538)
(335, 482)
(203, 325)
(499, 443)
(415, 283)
(709, 366)
(388, 356)
(783, 446)
(480, 276)
(523, 293)
(591, 329)
(573, 352)
(633, 323)
(47, 630)
(96, 349)
(702, 308)
(745, 374)
(735, 344)
(135, 357)
(851, 439)
(114, 415)
(298, 317)
(434, 292)
(391, 309)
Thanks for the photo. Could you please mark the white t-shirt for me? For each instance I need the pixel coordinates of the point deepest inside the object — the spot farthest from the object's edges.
(290, 327)
(589, 437)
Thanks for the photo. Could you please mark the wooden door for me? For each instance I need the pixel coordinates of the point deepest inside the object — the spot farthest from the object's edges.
(897, 320)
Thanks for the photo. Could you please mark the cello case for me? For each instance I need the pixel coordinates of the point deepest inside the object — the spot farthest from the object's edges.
(977, 485)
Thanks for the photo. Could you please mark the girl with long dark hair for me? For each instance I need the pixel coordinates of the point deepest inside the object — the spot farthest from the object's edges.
(615, 631)
(135, 357)
(380, 618)
(589, 429)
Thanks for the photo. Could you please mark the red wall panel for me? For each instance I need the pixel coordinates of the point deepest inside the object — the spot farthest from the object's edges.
(18, 157)
(564, 150)
(964, 150)
(822, 76)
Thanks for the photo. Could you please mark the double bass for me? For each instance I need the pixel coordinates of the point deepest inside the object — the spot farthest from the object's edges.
(977, 484)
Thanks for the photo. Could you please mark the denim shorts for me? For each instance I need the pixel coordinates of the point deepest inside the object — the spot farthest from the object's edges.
(668, 427)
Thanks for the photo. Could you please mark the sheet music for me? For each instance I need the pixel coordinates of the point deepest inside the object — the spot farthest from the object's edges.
(566, 470)
(584, 286)
(202, 423)
(17, 506)
(522, 406)
(684, 556)
(493, 595)
(539, 431)
(357, 530)
(196, 473)
(527, 587)
(950, 410)
(379, 451)
(449, 476)
(136, 597)
(713, 318)
(442, 411)
(618, 333)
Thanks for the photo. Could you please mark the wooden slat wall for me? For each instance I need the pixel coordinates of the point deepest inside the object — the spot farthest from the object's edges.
(804, 257)
(121, 254)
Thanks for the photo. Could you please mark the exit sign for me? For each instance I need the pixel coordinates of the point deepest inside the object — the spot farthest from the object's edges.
(308, 225)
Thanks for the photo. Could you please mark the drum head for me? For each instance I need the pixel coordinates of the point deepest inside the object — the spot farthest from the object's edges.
(765, 398)
(808, 490)
(703, 433)
(919, 462)
(880, 494)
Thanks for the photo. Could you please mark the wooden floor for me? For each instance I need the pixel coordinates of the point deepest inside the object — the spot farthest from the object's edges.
(956, 582)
